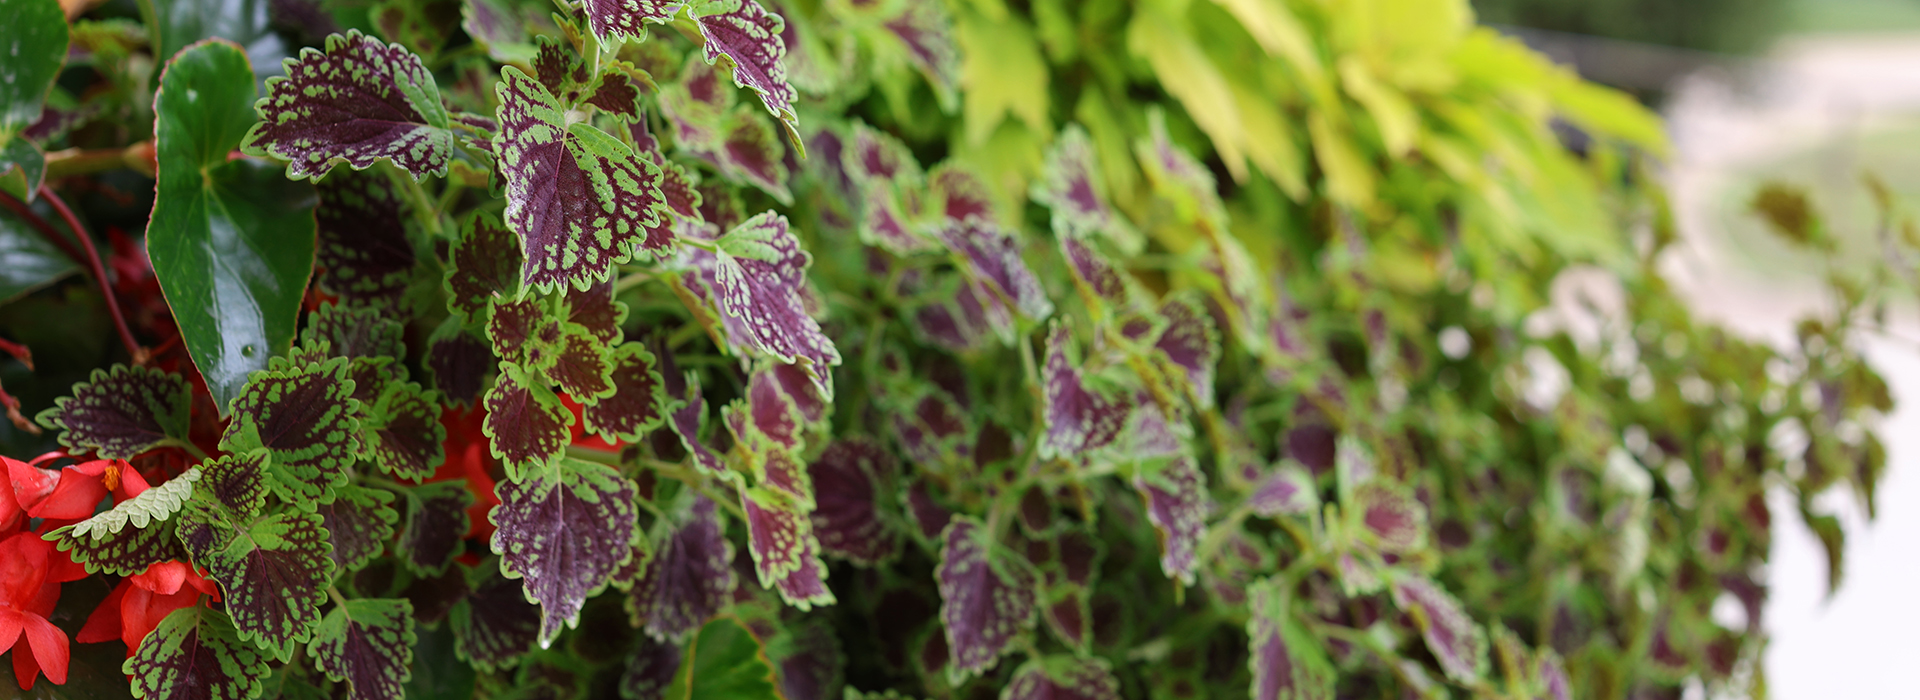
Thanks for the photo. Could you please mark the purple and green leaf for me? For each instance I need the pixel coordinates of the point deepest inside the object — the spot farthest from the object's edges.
(1079, 419)
(436, 523)
(685, 423)
(359, 521)
(120, 413)
(785, 553)
(1286, 663)
(485, 265)
(495, 625)
(688, 580)
(304, 417)
(638, 403)
(764, 293)
(357, 101)
(986, 599)
(744, 31)
(195, 652)
(403, 433)
(368, 645)
(1071, 187)
(1456, 641)
(565, 534)
(363, 253)
(273, 571)
(851, 478)
(134, 534)
(1390, 518)
(458, 363)
(1177, 504)
(526, 425)
(1063, 678)
(990, 256)
(616, 19)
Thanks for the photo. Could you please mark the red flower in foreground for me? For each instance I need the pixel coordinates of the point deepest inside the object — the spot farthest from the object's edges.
(31, 572)
(140, 602)
(467, 459)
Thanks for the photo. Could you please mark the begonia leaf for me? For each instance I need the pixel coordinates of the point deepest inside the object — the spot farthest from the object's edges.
(723, 660)
(1079, 419)
(436, 522)
(367, 644)
(1063, 678)
(363, 252)
(1390, 519)
(785, 554)
(495, 625)
(359, 521)
(615, 19)
(744, 31)
(231, 241)
(356, 101)
(1456, 641)
(195, 652)
(764, 294)
(565, 535)
(134, 534)
(986, 599)
(1177, 505)
(638, 403)
(273, 572)
(990, 256)
(122, 412)
(485, 265)
(1286, 663)
(526, 424)
(851, 479)
(38, 30)
(304, 417)
(688, 580)
(403, 434)
(580, 199)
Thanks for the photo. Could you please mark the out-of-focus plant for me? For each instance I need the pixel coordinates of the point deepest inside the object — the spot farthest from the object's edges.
(745, 348)
(1728, 26)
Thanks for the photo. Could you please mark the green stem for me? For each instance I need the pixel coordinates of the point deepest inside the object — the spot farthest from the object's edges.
(423, 208)
(588, 454)
(631, 280)
(191, 448)
(338, 599)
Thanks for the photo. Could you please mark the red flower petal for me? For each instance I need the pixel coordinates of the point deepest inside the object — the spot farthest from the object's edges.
(30, 483)
(75, 496)
(164, 578)
(49, 652)
(23, 567)
(104, 624)
(141, 611)
(10, 623)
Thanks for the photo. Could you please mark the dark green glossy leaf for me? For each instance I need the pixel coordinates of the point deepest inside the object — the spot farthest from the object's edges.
(36, 48)
(232, 242)
(243, 22)
(723, 660)
(27, 261)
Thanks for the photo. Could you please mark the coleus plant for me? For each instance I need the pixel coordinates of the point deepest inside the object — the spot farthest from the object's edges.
(752, 348)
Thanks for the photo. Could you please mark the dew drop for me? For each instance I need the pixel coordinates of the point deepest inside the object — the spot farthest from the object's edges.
(248, 351)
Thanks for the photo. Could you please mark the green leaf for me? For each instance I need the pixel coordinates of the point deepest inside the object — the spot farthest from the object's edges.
(723, 660)
(196, 653)
(232, 242)
(180, 23)
(27, 260)
(368, 644)
(273, 571)
(36, 48)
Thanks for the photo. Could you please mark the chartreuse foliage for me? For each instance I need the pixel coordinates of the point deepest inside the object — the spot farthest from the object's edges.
(918, 348)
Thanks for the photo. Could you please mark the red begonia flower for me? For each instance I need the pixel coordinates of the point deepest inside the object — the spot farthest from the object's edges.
(140, 602)
(467, 456)
(31, 572)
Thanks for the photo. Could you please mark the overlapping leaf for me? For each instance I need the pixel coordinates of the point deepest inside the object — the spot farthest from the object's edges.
(580, 199)
(403, 434)
(436, 523)
(1063, 678)
(1079, 419)
(758, 278)
(526, 424)
(1456, 641)
(367, 644)
(991, 258)
(486, 262)
(785, 554)
(639, 401)
(1286, 664)
(38, 46)
(195, 652)
(1177, 503)
(852, 480)
(359, 521)
(273, 571)
(1390, 519)
(744, 31)
(134, 534)
(304, 417)
(122, 412)
(565, 535)
(495, 625)
(357, 101)
(363, 252)
(615, 19)
(688, 580)
(986, 599)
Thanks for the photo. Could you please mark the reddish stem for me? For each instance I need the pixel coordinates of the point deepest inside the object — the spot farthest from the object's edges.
(99, 274)
(47, 230)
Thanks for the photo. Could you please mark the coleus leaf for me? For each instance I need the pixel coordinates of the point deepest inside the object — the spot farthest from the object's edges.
(767, 418)
(851, 478)
(560, 69)
(697, 106)
(304, 417)
(764, 294)
(1286, 663)
(639, 400)
(747, 33)
(925, 30)
(785, 554)
(273, 571)
(134, 534)
(357, 101)
(1191, 344)
(231, 241)
(495, 625)
(525, 332)
(359, 521)
(363, 252)
(688, 580)
(195, 652)
(368, 644)
(723, 660)
(1390, 518)
(615, 19)
(685, 423)
(595, 309)
(810, 662)
(526, 424)
(1063, 678)
(403, 434)
(436, 522)
(1456, 641)
(958, 194)
(650, 669)
(485, 265)
(1103, 286)
(581, 366)
(355, 332)
(499, 26)
(1079, 419)
(458, 363)
(1066, 611)
(565, 534)
(750, 151)
(991, 258)
(580, 199)
(1287, 490)
(986, 599)
(878, 159)
(1070, 186)
(122, 412)
(1177, 504)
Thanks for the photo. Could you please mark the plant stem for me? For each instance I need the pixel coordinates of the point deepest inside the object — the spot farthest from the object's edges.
(423, 208)
(187, 445)
(40, 224)
(99, 274)
(74, 161)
